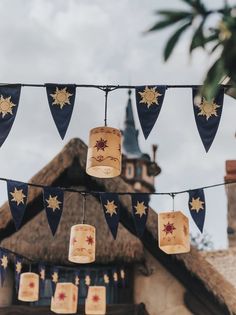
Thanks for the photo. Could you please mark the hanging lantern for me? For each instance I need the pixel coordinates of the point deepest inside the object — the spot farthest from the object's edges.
(173, 232)
(65, 299)
(96, 301)
(104, 152)
(82, 244)
(28, 287)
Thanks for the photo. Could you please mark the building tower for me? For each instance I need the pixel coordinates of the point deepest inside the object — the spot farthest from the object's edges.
(137, 168)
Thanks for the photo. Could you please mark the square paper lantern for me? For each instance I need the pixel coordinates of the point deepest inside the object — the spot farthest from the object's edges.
(104, 152)
(173, 232)
(28, 287)
(65, 299)
(95, 303)
(82, 244)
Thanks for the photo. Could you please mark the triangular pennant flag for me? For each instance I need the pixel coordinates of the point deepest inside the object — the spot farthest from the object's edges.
(61, 99)
(197, 207)
(54, 278)
(207, 116)
(18, 269)
(140, 211)
(53, 199)
(149, 101)
(3, 265)
(42, 278)
(17, 198)
(110, 204)
(9, 100)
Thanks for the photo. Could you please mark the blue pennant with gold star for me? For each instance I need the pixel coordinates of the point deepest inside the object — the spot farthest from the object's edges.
(3, 265)
(207, 116)
(149, 101)
(18, 270)
(17, 198)
(197, 207)
(110, 204)
(53, 199)
(9, 100)
(54, 278)
(61, 99)
(140, 212)
(42, 278)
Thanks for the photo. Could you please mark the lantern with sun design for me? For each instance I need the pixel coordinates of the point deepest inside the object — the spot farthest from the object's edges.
(96, 300)
(28, 287)
(104, 152)
(173, 232)
(65, 299)
(82, 244)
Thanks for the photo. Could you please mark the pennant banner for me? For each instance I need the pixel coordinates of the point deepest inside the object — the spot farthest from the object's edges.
(197, 207)
(17, 198)
(207, 116)
(61, 99)
(149, 101)
(140, 212)
(110, 204)
(54, 278)
(18, 269)
(42, 277)
(3, 265)
(53, 199)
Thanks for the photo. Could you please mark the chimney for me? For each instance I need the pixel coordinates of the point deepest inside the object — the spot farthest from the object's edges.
(231, 196)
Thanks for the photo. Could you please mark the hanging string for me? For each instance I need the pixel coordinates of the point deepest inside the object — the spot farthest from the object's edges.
(84, 207)
(106, 95)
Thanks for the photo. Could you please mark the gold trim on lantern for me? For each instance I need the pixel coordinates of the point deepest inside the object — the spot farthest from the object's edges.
(65, 299)
(104, 152)
(82, 244)
(173, 232)
(95, 304)
(28, 287)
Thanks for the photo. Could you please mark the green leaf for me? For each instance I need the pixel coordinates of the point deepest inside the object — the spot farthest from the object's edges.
(174, 39)
(175, 16)
(198, 37)
(160, 25)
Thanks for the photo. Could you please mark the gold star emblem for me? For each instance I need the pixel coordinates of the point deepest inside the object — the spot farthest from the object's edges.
(4, 262)
(111, 207)
(6, 106)
(197, 204)
(42, 274)
(61, 97)
(55, 277)
(53, 203)
(106, 278)
(149, 96)
(18, 267)
(140, 208)
(115, 276)
(18, 196)
(208, 109)
(87, 280)
(77, 280)
(122, 274)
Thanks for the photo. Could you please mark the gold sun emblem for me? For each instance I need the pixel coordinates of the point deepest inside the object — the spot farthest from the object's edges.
(77, 280)
(6, 106)
(87, 280)
(53, 203)
(208, 109)
(140, 208)
(197, 204)
(111, 207)
(18, 267)
(4, 261)
(61, 97)
(106, 278)
(42, 274)
(150, 96)
(55, 277)
(18, 196)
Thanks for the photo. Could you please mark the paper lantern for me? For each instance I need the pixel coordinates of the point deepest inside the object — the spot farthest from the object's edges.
(65, 299)
(28, 287)
(96, 301)
(173, 232)
(104, 152)
(82, 244)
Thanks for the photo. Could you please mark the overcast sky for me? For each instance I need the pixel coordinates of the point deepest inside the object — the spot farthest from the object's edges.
(102, 42)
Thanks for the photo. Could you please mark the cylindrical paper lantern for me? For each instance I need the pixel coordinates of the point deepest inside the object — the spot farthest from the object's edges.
(82, 244)
(65, 299)
(104, 152)
(28, 287)
(173, 232)
(96, 301)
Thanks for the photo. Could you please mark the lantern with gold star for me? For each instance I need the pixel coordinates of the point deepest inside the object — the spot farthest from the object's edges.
(95, 303)
(140, 211)
(53, 203)
(65, 299)
(29, 287)
(173, 232)
(17, 198)
(149, 101)
(110, 204)
(197, 207)
(3, 265)
(61, 99)
(207, 116)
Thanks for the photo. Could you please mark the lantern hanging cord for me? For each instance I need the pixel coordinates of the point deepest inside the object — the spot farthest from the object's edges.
(84, 207)
(106, 95)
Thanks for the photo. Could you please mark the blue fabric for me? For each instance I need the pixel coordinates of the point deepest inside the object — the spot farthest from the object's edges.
(198, 215)
(140, 219)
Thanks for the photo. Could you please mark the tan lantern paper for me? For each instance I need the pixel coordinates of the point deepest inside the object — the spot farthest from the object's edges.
(28, 287)
(65, 299)
(95, 303)
(173, 232)
(104, 152)
(82, 244)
